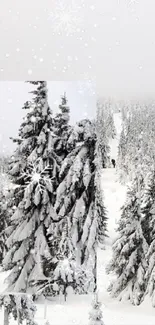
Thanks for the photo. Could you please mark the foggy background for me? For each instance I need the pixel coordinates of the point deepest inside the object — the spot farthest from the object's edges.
(109, 41)
(112, 41)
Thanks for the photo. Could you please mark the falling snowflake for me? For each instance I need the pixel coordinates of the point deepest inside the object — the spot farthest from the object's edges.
(37, 174)
(86, 86)
(85, 114)
(67, 17)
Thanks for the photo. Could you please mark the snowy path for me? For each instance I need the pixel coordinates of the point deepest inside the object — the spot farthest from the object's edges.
(75, 311)
(114, 196)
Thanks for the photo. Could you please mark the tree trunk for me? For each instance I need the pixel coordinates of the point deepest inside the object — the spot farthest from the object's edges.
(45, 309)
(6, 316)
(18, 318)
(95, 271)
(65, 292)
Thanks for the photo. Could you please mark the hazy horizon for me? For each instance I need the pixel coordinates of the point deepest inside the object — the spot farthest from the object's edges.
(111, 41)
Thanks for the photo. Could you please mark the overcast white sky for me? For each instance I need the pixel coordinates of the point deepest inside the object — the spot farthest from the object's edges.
(81, 99)
(112, 41)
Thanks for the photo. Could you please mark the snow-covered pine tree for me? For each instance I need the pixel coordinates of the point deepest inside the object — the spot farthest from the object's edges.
(95, 315)
(101, 132)
(111, 130)
(34, 170)
(62, 131)
(150, 274)
(62, 263)
(100, 209)
(62, 128)
(148, 225)
(99, 195)
(64, 276)
(107, 109)
(121, 165)
(139, 132)
(5, 208)
(20, 306)
(147, 204)
(76, 194)
(3, 226)
(129, 251)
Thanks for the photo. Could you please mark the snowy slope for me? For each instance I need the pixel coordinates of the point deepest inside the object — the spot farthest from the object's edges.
(75, 311)
(115, 312)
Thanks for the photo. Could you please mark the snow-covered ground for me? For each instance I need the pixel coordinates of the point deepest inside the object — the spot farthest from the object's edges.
(75, 311)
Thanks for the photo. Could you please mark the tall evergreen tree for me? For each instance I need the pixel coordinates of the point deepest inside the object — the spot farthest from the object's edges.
(3, 226)
(59, 248)
(20, 306)
(148, 224)
(76, 195)
(147, 204)
(138, 151)
(102, 135)
(6, 205)
(34, 169)
(129, 252)
(99, 195)
(121, 164)
(62, 128)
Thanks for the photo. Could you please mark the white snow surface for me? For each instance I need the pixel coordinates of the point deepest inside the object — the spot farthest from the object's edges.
(75, 311)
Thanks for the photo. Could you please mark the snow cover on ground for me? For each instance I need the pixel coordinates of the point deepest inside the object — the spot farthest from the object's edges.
(75, 311)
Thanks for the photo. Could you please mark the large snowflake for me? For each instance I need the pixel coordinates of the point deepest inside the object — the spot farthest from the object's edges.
(67, 16)
(37, 174)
